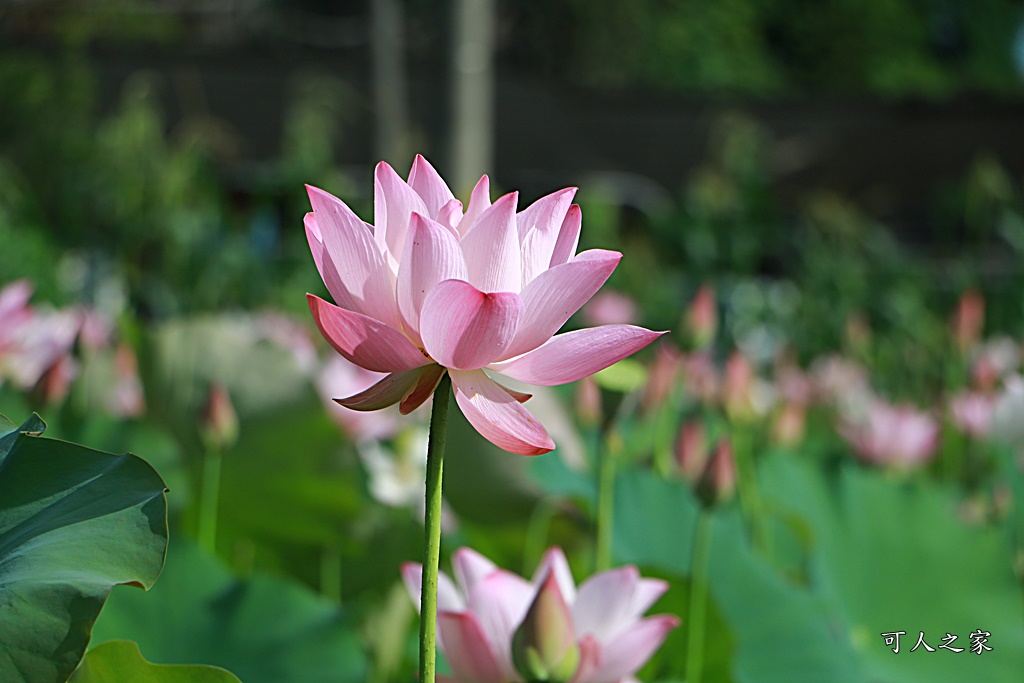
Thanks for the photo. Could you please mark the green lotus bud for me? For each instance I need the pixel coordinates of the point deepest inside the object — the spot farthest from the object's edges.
(544, 646)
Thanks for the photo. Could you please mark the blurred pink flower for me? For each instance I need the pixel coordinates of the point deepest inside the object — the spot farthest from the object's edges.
(338, 377)
(610, 308)
(700, 376)
(972, 412)
(37, 353)
(661, 379)
(896, 436)
(431, 288)
(702, 318)
(14, 310)
(480, 611)
(745, 396)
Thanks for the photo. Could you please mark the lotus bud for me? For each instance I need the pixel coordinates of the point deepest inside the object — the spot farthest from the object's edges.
(544, 646)
(219, 428)
(588, 401)
(789, 426)
(718, 482)
(702, 318)
(737, 387)
(662, 377)
(969, 319)
(692, 451)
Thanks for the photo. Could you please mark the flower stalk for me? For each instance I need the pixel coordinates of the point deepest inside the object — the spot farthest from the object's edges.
(432, 530)
(698, 596)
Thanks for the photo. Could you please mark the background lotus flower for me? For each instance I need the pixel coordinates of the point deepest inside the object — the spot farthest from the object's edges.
(431, 287)
(479, 613)
(900, 436)
(972, 412)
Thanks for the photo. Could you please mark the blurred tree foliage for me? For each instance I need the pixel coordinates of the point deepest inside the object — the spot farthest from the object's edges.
(930, 48)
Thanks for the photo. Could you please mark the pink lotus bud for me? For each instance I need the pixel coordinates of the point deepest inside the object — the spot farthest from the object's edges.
(662, 377)
(692, 450)
(544, 646)
(219, 428)
(969, 319)
(702, 318)
(790, 422)
(588, 401)
(736, 390)
(718, 481)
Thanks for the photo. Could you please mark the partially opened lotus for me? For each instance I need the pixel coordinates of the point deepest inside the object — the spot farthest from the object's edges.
(477, 291)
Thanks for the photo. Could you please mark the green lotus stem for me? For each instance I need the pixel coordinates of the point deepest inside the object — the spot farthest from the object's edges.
(698, 596)
(605, 502)
(746, 482)
(432, 531)
(330, 572)
(209, 499)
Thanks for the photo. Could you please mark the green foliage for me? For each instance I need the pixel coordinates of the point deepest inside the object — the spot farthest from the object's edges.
(73, 524)
(120, 660)
(263, 628)
(885, 47)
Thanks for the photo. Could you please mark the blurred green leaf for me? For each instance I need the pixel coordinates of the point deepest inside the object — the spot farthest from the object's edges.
(120, 660)
(891, 555)
(264, 629)
(74, 522)
(625, 376)
(654, 521)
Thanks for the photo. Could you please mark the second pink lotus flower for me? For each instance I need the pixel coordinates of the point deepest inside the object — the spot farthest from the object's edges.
(493, 624)
(478, 292)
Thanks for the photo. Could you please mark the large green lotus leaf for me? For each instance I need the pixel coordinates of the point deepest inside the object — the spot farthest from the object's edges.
(264, 629)
(74, 522)
(286, 481)
(891, 555)
(120, 660)
(777, 633)
(783, 634)
(654, 521)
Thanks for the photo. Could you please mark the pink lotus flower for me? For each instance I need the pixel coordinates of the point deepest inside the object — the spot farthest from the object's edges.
(898, 436)
(481, 611)
(432, 288)
(972, 412)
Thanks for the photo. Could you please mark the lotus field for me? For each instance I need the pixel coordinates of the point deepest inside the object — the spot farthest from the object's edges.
(497, 438)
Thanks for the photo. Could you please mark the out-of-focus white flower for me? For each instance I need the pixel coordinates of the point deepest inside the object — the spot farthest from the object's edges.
(843, 384)
(1008, 412)
(994, 360)
(397, 477)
